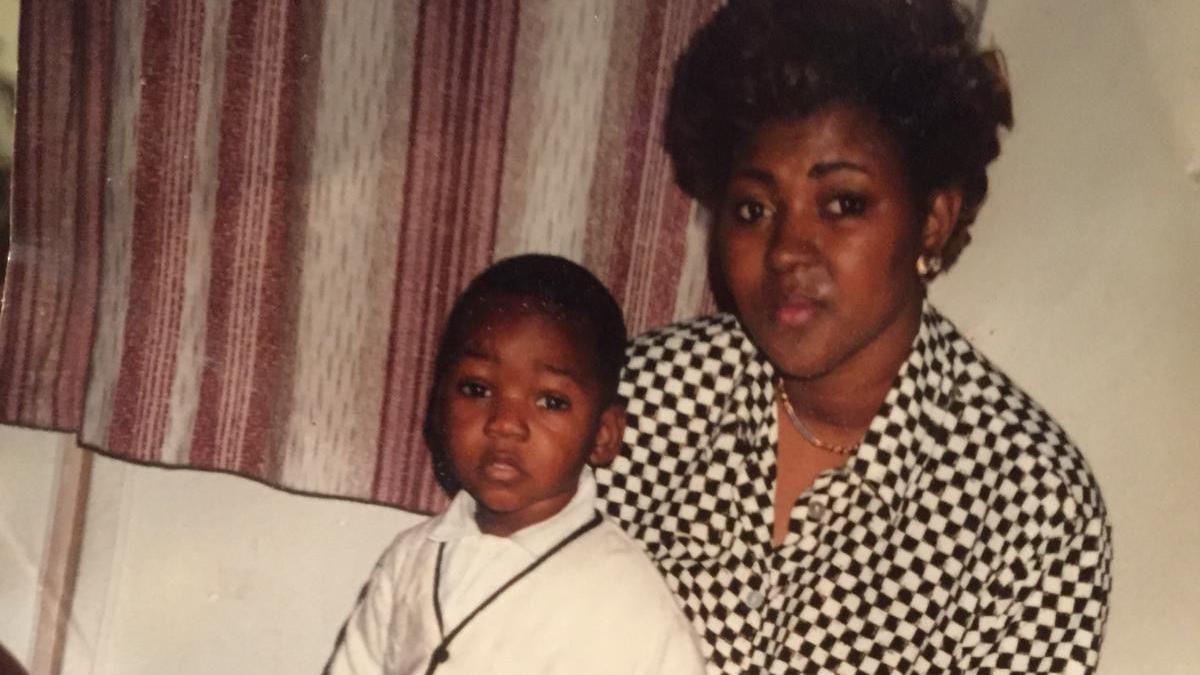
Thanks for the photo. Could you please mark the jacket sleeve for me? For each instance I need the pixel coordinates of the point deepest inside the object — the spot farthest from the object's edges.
(362, 645)
(659, 631)
(678, 652)
(1053, 602)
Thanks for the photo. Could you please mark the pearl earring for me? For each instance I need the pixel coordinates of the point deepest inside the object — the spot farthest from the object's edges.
(928, 265)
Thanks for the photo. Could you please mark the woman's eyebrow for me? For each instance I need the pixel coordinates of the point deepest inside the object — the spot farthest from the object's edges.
(825, 168)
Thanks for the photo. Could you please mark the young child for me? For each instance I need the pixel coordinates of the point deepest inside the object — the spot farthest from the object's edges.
(521, 574)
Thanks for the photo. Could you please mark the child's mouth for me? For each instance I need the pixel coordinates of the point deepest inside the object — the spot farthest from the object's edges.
(501, 469)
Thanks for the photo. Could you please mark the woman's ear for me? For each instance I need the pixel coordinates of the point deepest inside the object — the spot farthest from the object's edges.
(608, 436)
(944, 206)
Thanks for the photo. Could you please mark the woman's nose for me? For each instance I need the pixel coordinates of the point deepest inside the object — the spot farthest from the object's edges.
(506, 419)
(795, 241)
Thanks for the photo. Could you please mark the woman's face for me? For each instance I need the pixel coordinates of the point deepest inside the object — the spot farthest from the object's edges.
(818, 237)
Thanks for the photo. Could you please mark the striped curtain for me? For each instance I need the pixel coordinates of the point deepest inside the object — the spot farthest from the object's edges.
(239, 224)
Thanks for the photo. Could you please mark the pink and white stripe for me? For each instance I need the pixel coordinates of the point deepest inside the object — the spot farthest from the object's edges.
(273, 204)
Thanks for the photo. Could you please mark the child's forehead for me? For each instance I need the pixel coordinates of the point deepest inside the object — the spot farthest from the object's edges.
(492, 311)
(526, 332)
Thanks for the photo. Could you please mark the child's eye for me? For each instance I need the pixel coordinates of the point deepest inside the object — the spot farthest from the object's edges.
(846, 205)
(749, 211)
(473, 389)
(554, 402)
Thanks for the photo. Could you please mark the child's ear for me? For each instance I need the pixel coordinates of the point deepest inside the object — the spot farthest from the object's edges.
(608, 436)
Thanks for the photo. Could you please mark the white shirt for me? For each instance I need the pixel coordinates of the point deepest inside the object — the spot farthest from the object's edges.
(480, 563)
(595, 606)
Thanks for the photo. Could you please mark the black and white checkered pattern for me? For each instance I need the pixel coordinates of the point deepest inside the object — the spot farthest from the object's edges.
(965, 534)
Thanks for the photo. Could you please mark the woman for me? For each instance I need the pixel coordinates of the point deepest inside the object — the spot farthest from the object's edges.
(831, 478)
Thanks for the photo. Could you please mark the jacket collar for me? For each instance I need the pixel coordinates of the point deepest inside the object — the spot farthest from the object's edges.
(458, 521)
(914, 420)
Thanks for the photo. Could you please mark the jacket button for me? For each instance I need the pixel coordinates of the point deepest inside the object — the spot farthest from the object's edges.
(754, 599)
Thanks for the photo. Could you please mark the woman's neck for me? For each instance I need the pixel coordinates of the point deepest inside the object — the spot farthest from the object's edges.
(848, 396)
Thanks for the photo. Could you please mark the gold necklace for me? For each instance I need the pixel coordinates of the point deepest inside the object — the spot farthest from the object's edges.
(799, 425)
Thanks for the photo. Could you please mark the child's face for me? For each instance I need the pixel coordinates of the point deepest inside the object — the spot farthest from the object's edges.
(522, 413)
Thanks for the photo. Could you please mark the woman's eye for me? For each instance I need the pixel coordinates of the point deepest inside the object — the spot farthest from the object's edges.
(748, 212)
(554, 402)
(473, 389)
(844, 205)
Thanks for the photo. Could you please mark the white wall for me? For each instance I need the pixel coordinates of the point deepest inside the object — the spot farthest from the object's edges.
(28, 466)
(1082, 283)
(1079, 284)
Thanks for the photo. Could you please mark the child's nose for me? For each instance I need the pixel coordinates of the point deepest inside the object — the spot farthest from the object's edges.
(507, 419)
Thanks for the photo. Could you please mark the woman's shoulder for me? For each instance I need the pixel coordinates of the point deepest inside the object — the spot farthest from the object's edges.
(701, 333)
(702, 360)
(714, 346)
(1031, 445)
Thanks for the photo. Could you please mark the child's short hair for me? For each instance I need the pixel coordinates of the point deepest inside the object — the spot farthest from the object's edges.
(554, 285)
(557, 286)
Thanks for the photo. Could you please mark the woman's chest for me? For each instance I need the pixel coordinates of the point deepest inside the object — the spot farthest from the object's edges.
(857, 563)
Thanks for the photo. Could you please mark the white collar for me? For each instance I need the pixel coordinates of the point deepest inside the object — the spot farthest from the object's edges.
(458, 521)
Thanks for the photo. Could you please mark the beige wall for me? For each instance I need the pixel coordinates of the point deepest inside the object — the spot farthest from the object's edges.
(1080, 283)
(28, 464)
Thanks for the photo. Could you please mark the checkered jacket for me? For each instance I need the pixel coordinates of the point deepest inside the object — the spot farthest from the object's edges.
(965, 534)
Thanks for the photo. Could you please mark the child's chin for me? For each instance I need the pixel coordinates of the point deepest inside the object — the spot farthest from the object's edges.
(499, 503)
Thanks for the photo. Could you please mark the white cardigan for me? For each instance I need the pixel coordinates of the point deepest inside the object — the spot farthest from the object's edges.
(597, 606)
